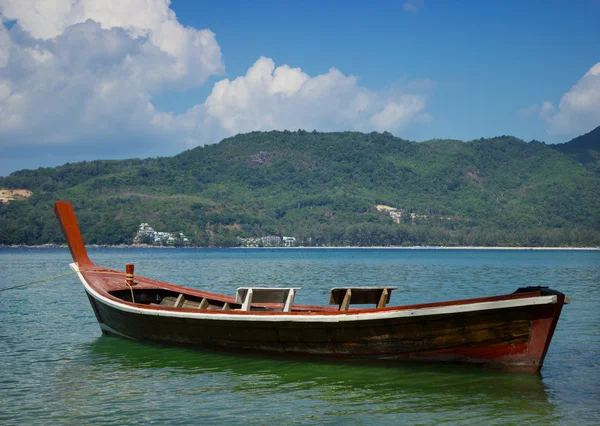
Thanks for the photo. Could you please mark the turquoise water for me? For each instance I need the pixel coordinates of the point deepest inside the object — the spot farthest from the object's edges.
(56, 367)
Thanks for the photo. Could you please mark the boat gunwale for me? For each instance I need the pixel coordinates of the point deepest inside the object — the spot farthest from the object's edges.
(457, 306)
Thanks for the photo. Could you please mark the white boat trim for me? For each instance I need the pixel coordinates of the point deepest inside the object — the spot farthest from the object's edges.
(330, 318)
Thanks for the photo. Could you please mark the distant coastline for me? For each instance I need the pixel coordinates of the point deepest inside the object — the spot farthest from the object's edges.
(136, 246)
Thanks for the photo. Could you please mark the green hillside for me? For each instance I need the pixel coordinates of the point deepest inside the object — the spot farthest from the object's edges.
(584, 149)
(323, 189)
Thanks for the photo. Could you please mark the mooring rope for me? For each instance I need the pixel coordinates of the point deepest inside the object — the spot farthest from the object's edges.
(131, 289)
(38, 281)
(64, 275)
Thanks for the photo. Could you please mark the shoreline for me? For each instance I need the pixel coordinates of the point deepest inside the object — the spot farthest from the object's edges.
(145, 246)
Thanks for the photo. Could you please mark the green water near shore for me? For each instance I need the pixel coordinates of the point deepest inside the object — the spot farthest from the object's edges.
(56, 367)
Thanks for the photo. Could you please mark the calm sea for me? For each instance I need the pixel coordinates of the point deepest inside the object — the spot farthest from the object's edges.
(56, 367)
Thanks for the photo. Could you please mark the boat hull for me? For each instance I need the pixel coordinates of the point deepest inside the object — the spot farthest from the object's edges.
(513, 338)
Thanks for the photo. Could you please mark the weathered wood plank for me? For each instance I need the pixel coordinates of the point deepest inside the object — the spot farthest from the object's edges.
(361, 295)
(179, 301)
(383, 298)
(168, 301)
(346, 301)
(189, 304)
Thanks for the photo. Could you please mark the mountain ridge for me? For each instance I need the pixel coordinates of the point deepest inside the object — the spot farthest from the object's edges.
(584, 149)
(323, 188)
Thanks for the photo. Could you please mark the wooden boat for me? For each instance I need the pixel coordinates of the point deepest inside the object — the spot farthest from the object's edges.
(511, 332)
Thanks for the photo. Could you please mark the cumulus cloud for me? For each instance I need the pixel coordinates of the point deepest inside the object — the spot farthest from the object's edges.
(270, 97)
(193, 54)
(579, 109)
(83, 73)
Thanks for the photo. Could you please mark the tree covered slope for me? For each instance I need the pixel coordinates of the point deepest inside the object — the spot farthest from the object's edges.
(324, 189)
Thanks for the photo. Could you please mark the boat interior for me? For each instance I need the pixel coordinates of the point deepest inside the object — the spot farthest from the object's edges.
(255, 299)
(172, 299)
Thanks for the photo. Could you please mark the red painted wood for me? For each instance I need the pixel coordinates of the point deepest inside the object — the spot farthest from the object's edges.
(68, 222)
(129, 279)
(542, 330)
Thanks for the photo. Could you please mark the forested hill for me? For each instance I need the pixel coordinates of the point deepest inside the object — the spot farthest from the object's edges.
(585, 149)
(327, 189)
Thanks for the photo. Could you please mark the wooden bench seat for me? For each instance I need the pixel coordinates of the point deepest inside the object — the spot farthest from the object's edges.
(248, 295)
(346, 296)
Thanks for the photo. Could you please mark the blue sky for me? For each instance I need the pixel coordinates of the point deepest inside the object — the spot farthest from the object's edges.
(144, 79)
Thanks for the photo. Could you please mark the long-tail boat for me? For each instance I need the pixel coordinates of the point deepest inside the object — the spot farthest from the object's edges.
(511, 332)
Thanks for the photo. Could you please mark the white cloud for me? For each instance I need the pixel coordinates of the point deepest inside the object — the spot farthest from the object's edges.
(81, 86)
(286, 98)
(399, 112)
(579, 109)
(5, 45)
(413, 6)
(83, 74)
(193, 55)
(546, 110)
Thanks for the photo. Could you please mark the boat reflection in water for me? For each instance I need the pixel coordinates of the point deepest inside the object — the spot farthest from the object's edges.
(280, 389)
